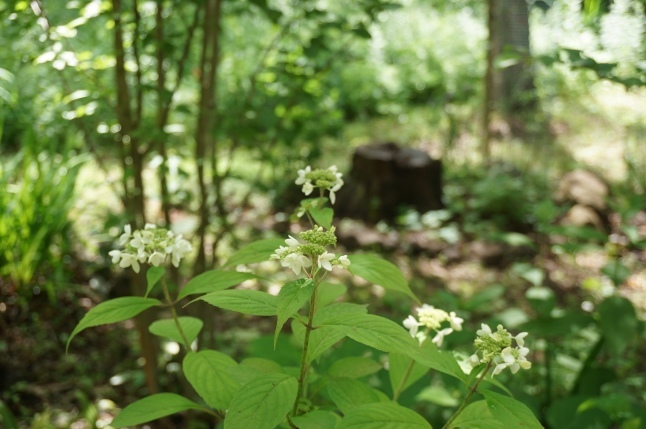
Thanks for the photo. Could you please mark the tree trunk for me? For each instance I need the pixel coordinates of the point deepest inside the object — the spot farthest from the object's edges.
(134, 200)
(205, 122)
(385, 179)
(508, 90)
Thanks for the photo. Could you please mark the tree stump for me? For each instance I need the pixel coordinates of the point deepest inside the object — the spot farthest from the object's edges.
(385, 179)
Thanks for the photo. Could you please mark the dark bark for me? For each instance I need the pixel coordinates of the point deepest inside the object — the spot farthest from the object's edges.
(385, 179)
(204, 140)
(133, 191)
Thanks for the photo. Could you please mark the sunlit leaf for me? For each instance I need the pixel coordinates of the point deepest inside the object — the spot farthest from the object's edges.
(153, 275)
(213, 281)
(291, 298)
(209, 372)
(167, 328)
(113, 311)
(510, 412)
(383, 415)
(263, 403)
(348, 394)
(380, 272)
(252, 302)
(353, 367)
(152, 408)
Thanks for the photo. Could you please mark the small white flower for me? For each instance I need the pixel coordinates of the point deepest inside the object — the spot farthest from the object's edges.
(150, 226)
(421, 336)
(325, 260)
(332, 196)
(520, 339)
(412, 325)
(438, 339)
(485, 331)
(344, 261)
(142, 256)
(125, 236)
(474, 360)
(181, 248)
(456, 322)
(296, 261)
(156, 259)
(292, 243)
(302, 175)
(127, 260)
(308, 188)
(498, 369)
(116, 256)
(278, 253)
(137, 242)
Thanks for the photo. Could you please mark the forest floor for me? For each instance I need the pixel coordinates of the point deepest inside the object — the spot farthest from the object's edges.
(102, 371)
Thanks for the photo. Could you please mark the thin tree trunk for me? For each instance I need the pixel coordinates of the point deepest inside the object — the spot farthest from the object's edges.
(487, 106)
(204, 140)
(133, 196)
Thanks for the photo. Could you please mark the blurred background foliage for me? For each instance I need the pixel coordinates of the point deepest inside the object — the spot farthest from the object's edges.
(196, 114)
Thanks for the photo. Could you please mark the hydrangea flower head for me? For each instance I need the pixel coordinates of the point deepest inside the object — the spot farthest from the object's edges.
(329, 179)
(151, 245)
(431, 319)
(495, 348)
(313, 252)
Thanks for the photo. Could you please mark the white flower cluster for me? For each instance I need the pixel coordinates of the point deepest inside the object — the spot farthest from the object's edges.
(151, 245)
(496, 347)
(329, 179)
(432, 318)
(297, 256)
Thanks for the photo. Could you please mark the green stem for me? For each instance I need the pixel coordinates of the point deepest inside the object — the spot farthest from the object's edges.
(306, 343)
(402, 383)
(174, 313)
(469, 395)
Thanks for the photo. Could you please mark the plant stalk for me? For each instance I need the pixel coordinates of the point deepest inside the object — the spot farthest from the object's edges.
(174, 313)
(469, 395)
(402, 383)
(306, 342)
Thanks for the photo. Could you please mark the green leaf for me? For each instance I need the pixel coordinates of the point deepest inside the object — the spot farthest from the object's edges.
(338, 309)
(476, 416)
(153, 275)
(252, 302)
(380, 272)
(321, 339)
(618, 323)
(400, 376)
(383, 415)
(209, 372)
(168, 329)
(348, 394)
(353, 367)
(212, 281)
(152, 408)
(322, 216)
(317, 419)
(438, 395)
(262, 365)
(258, 251)
(530, 273)
(291, 298)
(113, 311)
(374, 331)
(429, 355)
(328, 293)
(510, 412)
(541, 298)
(262, 403)
(617, 272)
